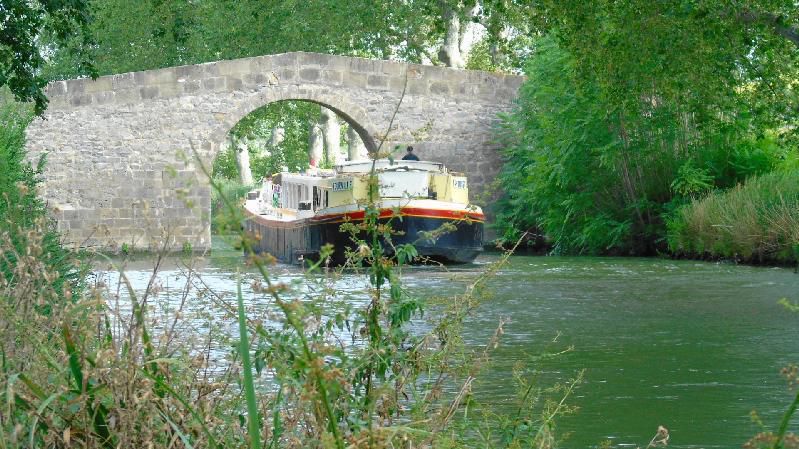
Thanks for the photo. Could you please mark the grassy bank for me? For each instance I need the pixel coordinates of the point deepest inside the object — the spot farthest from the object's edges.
(754, 222)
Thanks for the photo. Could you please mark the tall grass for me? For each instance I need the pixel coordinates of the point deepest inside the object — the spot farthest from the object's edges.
(753, 222)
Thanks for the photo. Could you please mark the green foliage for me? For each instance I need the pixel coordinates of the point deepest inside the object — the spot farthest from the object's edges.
(648, 105)
(480, 58)
(233, 190)
(501, 55)
(564, 163)
(131, 36)
(225, 165)
(691, 181)
(253, 417)
(24, 25)
(256, 130)
(174, 32)
(699, 54)
(22, 212)
(756, 222)
(596, 177)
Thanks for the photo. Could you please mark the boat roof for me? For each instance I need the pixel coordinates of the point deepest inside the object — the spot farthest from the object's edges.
(311, 176)
(365, 166)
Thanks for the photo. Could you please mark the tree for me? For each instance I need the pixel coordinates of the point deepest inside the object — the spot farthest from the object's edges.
(23, 26)
(457, 25)
(699, 54)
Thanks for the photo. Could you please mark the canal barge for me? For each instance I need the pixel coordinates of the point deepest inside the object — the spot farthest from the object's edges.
(294, 214)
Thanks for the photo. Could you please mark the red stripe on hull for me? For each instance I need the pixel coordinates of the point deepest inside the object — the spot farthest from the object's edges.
(405, 211)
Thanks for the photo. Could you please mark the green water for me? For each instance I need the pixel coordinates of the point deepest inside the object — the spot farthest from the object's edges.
(688, 345)
(692, 346)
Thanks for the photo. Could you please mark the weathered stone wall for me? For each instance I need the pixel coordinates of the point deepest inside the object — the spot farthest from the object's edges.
(121, 149)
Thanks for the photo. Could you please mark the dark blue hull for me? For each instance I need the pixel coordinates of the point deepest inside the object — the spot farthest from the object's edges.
(292, 242)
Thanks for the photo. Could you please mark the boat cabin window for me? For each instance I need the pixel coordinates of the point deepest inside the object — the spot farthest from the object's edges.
(297, 193)
(320, 197)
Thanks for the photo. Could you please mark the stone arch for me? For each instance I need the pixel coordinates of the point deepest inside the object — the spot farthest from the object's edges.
(354, 115)
(121, 145)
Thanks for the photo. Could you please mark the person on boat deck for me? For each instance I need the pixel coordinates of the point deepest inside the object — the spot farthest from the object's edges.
(410, 156)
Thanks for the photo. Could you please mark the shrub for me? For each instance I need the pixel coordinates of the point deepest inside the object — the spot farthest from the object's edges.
(233, 190)
(23, 214)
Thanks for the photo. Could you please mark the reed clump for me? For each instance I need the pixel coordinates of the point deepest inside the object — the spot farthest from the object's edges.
(753, 222)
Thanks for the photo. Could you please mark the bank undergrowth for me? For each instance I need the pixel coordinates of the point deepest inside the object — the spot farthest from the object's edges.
(220, 218)
(753, 222)
(24, 225)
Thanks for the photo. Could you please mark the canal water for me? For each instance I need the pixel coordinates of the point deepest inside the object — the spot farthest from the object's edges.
(693, 346)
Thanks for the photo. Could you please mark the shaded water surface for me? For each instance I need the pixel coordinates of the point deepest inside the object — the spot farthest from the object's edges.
(692, 346)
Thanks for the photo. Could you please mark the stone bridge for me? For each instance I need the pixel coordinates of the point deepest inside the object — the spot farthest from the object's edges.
(123, 150)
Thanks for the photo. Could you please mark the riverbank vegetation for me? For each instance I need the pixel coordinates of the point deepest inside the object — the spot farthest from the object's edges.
(632, 111)
(27, 235)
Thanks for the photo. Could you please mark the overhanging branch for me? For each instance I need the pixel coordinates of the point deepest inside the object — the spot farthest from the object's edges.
(774, 21)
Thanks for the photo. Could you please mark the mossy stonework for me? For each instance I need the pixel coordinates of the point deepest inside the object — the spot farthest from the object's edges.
(121, 148)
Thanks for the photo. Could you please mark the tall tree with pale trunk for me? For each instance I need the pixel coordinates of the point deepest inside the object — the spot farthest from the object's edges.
(331, 130)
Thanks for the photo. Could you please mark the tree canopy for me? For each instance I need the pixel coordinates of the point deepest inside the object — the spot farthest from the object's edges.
(699, 54)
(24, 27)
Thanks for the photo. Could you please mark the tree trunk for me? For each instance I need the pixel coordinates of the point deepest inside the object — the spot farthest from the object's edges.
(498, 57)
(277, 136)
(331, 129)
(775, 21)
(450, 52)
(316, 143)
(242, 161)
(356, 150)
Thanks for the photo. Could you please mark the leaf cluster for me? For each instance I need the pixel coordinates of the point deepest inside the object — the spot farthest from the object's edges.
(23, 26)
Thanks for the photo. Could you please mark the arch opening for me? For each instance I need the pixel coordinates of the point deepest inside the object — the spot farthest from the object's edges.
(289, 135)
(352, 114)
(283, 135)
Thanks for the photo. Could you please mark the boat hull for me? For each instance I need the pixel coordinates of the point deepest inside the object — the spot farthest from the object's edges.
(291, 242)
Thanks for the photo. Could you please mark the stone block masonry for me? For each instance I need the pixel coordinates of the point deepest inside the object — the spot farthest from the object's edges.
(123, 150)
